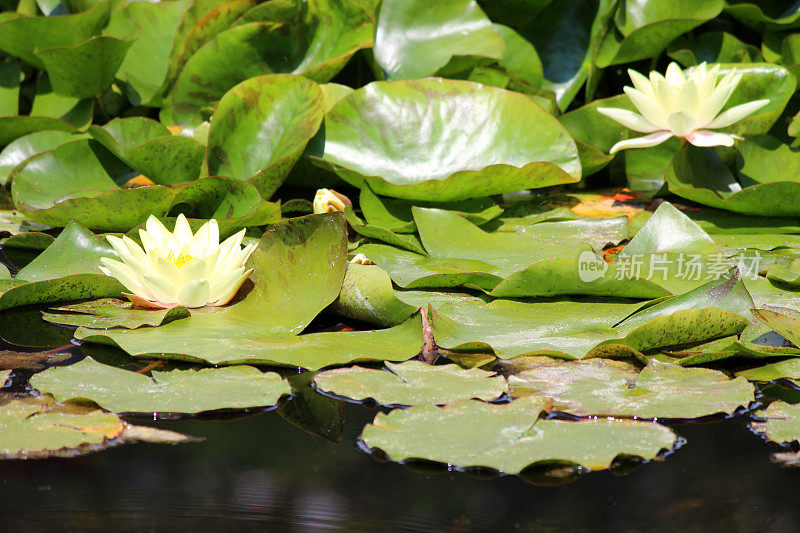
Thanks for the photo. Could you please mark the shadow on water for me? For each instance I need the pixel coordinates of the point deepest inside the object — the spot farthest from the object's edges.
(262, 473)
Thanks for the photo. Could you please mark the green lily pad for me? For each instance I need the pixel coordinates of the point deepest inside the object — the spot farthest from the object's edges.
(712, 47)
(152, 27)
(22, 36)
(261, 127)
(412, 383)
(764, 15)
(66, 270)
(415, 38)
(112, 313)
(367, 295)
(781, 422)
(510, 437)
(787, 326)
(790, 368)
(644, 29)
(396, 214)
(470, 160)
(150, 149)
(596, 328)
(85, 70)
(306, 257)
(30, 429)
(660, 390)
(314, 42)
(12, 128)
(28, 146)
(377, 233)
(10, 80)
(176, 391)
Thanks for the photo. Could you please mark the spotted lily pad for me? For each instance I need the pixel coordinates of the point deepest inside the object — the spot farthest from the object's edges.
(660, 390)
(510, 437)
(412, 383)
(790, 368)
(176, 391)
(465, 149)
(781, 422)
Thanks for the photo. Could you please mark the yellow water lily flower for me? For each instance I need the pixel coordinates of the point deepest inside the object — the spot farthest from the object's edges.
(329, 201)
(178, 268)
(681, 104)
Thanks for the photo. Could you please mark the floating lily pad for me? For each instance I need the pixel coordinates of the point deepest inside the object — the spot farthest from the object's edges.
(595, 327)
(510, 437)
(176, 391)
(376, 233)
(712, 47)
(12, 128)
(367, 294)
(789, 368)
(30, 428)
(415, 38)
(660, 390)
(781, 422)
(464, 151)
(150, 149)
(261, 127)
(769, 15)
(412, 383)
(306, 258)
(112, 313)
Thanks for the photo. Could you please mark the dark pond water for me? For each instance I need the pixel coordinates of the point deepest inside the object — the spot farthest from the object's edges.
(262, 473)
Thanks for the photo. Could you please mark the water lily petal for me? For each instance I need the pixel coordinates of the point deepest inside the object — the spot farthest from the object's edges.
(163, 290)
(183, 232)
(629, 119)
(680, 123)
(156, 229)
(706, 84)
(642, 142)
(674, 74)
(144, 303)
(166, 269)
(736, 113)
(194, 294)
(125, 275)
(641, 83)
(226, 296)
(192, 269)
(651, 110)
(709, 108)
(711, 138)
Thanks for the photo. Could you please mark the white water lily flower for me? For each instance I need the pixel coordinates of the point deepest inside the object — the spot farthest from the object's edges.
(681, 104)
(329, 201)
(360, 259)
(178, 268)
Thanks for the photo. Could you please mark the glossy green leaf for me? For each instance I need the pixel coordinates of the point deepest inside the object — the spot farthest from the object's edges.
(28, 146)
(150, 149)
(412, 383)
(315, 43)
(660, 390)
(447, 147)
(152, 27)
(790, 368)
(377, 233)
(176, 391)
(85, 70)
(712, 47)
(760, 14)
(22, 36)
(12, 128)
(70, 109)
(313, 412)
(643, 29)
(509, 437)
(261, 127)
(10, 79)
(441, 30)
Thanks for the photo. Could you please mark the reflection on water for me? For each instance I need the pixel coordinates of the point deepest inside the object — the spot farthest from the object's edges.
(262, 473)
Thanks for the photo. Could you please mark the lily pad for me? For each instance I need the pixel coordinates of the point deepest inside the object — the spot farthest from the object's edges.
(510, 437)
(261, 127)
(12, 128)
(764, 15)
(377, 233)
(176, 391)
(781, 422)
(367, 295)
(790, 368)
(464, 150)
(111, 313)
(66, 270)
(150, 149)
(30, 429)
(28, 146)
(660, 390)
(412, 383)
(85, 70)
(415, 38)
(306, 257)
